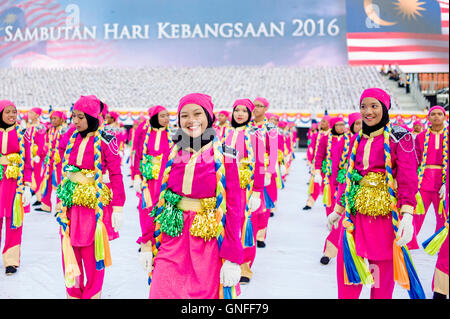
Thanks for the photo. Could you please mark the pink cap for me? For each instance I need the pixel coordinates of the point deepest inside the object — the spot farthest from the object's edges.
(155, 110)
(335, 120)
(282, 124)
(436, 107)
(263, 101)
(271, 115)
(5, 103)
(88, 105)
(114, 115)
(417, 122)
(59, 114)
(245, 102)
(226, 113)
(314, 126)
(378, 94)
(200, 99)
(37, 110)
(353, 117)
(327, 118)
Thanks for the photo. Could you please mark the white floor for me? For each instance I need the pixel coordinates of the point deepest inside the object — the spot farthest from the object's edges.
(288, 268)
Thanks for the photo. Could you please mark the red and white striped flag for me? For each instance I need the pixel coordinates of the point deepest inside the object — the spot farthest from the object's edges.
(412, 34)
(33, 14)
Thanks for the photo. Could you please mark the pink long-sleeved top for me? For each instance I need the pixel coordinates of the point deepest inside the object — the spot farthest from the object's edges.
(9, 144)
(199, 181)
(432, 178)
(82, 156)
(370, 158)
(158, 144)
(311, 149)
(271, 143)
(337, 148)
(235, 138)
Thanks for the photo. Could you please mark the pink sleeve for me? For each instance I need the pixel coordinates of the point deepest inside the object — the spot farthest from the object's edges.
(231, 248)
(310, 150)
(39, 139)
(404, 159)
(27, 171)
(138, 145)
(272, 141)
(111, 160)
(258, 146)
(419, 142)
(321, 152)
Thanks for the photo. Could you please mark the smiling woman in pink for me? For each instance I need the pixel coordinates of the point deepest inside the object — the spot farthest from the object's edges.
(197, 251)
(15, 183)
(249, 143)
(151, 148)
(91, 187)
(378, 211)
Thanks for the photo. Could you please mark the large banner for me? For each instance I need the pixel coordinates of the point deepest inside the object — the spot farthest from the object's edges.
(130, 33)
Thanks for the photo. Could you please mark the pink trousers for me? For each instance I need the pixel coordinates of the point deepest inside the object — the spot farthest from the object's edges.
(429, 198)
(94, 278)
(382, 272)
(13, 240)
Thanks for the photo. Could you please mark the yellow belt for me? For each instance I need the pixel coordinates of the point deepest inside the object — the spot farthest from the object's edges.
(81, 178)
(433, 166)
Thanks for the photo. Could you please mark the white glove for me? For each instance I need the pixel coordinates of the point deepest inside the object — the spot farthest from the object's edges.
(442, 192)
(230, 274)
(267, 179)
(254, 201)
(137, 184)
(405, 229)
(333, 219)
(36, 159)
(26, 196)
(116, 219)
(318, 178)
(146, 259)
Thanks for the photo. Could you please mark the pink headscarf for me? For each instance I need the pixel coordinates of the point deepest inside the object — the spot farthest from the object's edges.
(272, 115)
(326, 118)
(378, 94)
(263, 101)
(226, 113)
(59, 114)
(353, 117)
(282, 124)
(335, 120)
(155, 110)
(89, 106)
(314, 126)
(245, 102)
(37, 110)
(436, 107)
(200, 99)
(417, 122)
(5, 103)
(114, 115)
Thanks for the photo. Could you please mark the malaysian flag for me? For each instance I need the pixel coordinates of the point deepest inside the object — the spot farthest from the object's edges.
(412, 34)
(33, 14)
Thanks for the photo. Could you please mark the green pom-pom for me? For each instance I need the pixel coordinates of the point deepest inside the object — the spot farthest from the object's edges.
(1, 171)
(147, 167)
(171, 218)
(341, 176)
(65, 193)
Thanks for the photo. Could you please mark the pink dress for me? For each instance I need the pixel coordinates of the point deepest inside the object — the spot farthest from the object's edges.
(9, 144)
(235, 138)
(158, 145)
(374, 236)
(188, 267)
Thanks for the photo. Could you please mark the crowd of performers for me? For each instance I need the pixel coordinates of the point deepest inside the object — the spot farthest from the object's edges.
(208, 186)
(378, 181)
(197, 239)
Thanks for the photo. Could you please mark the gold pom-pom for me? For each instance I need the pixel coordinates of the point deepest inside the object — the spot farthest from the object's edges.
(12, 170)
(34, 150)
(245, 174)
(373, 197)
(205, 224)
(86, 195)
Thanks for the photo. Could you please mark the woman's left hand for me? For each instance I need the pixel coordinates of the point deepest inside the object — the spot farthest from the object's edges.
(230, 274)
